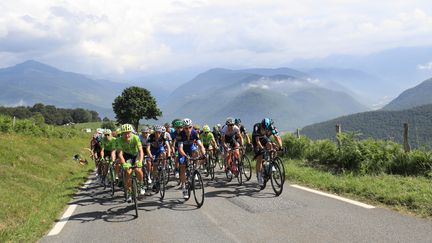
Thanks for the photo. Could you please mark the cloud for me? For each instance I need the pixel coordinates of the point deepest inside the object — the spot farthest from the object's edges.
(427, 66)
(138, 36)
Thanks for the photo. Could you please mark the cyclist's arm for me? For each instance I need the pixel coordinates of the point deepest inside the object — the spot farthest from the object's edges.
(241, 139)
(113, 155)
(120, 156)
(140, 153)
(168, 148)
(181, 151)
(201, 146)
(149, 151)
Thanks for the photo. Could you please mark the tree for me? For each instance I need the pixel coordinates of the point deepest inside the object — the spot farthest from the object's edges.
(95, 116)
(80, 115)
(134, 104)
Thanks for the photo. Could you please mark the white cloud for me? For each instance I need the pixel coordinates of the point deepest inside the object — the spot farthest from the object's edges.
(114, 37)
(427, 66)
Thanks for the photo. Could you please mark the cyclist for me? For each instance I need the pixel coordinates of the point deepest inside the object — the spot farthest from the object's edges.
(230, 135)
(108, 145)
(156, 147)
(187, 147)
(96, 149)
(129, 148)
(144, 137)
(208, 140)
(261, 138)
(176, 136)
(243, 131)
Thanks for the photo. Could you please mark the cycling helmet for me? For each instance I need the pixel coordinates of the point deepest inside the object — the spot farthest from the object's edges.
(158, 128)
(107, 131)
(196, 127)
(163, 129)
(172, 130)
(230, 121)
(206, 128)
(126, 128)
(218, 125)
(266, 122)
(178, 123)
(237, 121)
(145, 129)
(175, 121)
(99, 130)
(187, 122)
(167, 124)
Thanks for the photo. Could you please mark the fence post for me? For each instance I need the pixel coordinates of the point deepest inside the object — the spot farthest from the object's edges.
(338, 131)
(298, 133)
(13, 123)
(407, 147)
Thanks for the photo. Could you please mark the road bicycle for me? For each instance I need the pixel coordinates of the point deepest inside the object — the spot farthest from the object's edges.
(272, 171)
(194, 182)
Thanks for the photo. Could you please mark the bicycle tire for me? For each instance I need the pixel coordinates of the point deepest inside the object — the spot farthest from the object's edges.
(112, 180)
(239, 171)
(135, 195)
(276, 179)
(212, 168)
(281, 165)
(247, 168)
(162, 175)
(198, 188)
(219, 161)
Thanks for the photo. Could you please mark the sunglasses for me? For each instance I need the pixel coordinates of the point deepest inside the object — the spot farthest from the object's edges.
(231, 125)
(107, 135)
(187, 127)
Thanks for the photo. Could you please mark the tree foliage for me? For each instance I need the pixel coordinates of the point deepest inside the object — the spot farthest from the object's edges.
(134, 104)
(51, 114)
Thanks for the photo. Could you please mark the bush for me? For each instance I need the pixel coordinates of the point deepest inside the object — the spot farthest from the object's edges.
(296, 147)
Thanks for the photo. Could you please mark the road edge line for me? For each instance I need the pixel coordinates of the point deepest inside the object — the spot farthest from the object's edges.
(360, 204)
(69, 211)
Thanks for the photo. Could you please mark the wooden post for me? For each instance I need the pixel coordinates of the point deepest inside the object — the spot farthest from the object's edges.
(13, 123)
(298, 133)
(338, 131)
(407, 147)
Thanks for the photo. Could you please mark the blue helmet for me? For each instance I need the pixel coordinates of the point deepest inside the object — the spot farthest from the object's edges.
(266, 122)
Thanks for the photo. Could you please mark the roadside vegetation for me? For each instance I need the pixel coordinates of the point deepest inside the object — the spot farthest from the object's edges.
(37, 176)
(375, 171)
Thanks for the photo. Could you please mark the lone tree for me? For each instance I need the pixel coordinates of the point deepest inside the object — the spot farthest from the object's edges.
(134, 104)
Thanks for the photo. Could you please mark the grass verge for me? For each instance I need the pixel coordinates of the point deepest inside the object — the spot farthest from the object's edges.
(37, 179)
(407, 194)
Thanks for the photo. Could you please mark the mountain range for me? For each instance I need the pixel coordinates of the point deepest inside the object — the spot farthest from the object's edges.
(413, 106)
(289, 96)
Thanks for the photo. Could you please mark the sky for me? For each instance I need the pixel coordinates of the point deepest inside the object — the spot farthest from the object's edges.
(105, 38)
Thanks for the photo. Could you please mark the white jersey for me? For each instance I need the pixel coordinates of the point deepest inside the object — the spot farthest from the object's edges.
(233, 132)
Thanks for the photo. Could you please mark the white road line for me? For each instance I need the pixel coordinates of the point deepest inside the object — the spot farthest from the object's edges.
(63, 220)
(334, 197)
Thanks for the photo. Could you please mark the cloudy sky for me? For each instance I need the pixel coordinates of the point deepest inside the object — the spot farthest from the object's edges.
(119, 37)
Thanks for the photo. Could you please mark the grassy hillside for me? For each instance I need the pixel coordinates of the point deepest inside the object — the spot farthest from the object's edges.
(37, 179)
(381, 124)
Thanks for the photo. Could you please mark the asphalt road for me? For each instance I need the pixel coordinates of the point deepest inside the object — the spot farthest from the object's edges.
(233, 213)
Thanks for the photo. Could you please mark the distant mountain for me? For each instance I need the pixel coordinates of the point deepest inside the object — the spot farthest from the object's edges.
(289, 96)
(401, 67)
(419, 95)
(380, 124)
(366, 87)
(34, 82)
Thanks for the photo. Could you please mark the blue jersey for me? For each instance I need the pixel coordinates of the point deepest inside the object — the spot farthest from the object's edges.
(188, 142)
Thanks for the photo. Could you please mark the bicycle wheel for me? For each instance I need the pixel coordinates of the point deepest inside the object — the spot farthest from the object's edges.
(247, 168)
(124, 185)
(281, 165)
(111, 179)
(239, 172)
(276, 178)
(135, 195)
(162, 175)
(198, 188)
(212, 167)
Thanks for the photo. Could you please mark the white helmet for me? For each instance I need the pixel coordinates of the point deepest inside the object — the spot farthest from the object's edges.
(187, 122)
(158, 128)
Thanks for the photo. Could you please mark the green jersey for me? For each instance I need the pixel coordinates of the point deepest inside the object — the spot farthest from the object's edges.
(206, 139)
(130, 147)
(108, 145)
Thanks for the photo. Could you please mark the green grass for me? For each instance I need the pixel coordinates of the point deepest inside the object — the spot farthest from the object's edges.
(406, 194)
(37, 179)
